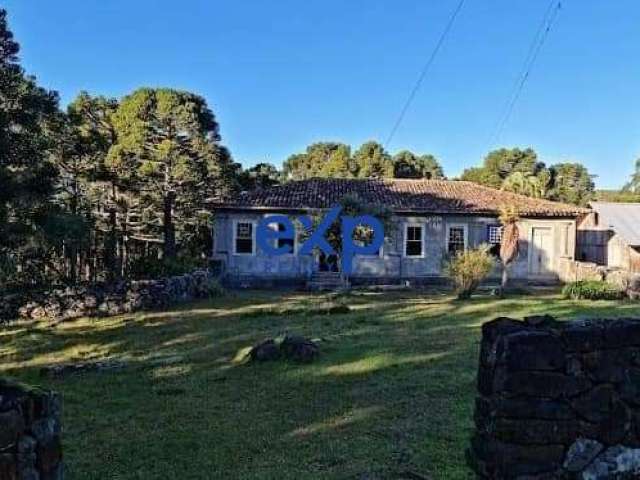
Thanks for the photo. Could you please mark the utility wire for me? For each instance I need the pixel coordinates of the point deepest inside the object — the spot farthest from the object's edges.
(424, 71)
(539, 39)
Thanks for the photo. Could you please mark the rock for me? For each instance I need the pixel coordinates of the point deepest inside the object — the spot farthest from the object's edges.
(533, 350)
(265, 351)
(548, 385)
(540, 320)
(581, 453)
(299, 349)
(595, 405)
(11, 427)
(616, 462)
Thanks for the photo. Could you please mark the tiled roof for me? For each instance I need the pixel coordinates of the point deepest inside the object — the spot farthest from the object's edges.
(429, 196)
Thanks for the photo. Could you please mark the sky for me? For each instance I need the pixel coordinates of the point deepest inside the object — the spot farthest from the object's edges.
(281, 74)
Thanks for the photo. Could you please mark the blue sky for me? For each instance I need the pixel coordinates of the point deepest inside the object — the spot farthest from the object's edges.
(282, 74)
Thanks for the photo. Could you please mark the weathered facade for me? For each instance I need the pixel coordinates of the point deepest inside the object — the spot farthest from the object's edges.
(431, 220)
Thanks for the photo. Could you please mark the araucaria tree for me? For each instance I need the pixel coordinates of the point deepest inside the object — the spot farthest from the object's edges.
(167, 149)
(29, 119)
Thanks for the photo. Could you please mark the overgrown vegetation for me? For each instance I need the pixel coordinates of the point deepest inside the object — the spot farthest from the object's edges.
(467, 269)
(592, 290)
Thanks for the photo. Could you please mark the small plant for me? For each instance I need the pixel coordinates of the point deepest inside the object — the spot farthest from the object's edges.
(592, 290)
(467, 269)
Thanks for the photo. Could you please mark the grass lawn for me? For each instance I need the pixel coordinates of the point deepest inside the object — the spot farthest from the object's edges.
(391, 395)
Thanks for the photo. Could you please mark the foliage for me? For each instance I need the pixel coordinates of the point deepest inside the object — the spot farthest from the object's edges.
(147, 268)
(410, 165)
(592, 290)
(323, 159)
(329, 159)
(29, 126)
(372, 161)
(622, 196)
(467, 269)
(634, 184)
(572, 183)
(500, 164)
(260, 176)
(521, 172)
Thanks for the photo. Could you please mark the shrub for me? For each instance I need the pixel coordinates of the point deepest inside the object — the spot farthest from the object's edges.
(467, 269)
(146, 268)
(592, 290)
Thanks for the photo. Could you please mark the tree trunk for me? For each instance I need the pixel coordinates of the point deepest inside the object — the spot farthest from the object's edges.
(168, 227)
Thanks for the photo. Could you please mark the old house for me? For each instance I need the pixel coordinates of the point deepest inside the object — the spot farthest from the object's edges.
(432, 220)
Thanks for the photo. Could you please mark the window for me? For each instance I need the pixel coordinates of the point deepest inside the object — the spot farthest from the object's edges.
(244, 238)
(494, 238)
(281, 242)
(456, 239)
(413, 241)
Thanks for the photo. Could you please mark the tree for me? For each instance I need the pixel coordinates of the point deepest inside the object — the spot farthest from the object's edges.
(535, 186)
(167, 148)
(572, 183)
(372, 161)
(261, 175)
(500, 164)
(322, 159)
(410, 165)
(634, 184)
(29, 119)
(509, 250)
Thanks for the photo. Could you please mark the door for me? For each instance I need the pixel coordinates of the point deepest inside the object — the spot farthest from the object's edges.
(541, 251)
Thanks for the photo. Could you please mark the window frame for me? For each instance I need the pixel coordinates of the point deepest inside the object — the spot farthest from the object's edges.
(423, 230)
(465, 236)
(253, 224)
(491, 226)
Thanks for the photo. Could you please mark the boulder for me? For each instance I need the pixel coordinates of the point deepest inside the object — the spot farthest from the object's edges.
(299, 349)
(265, 351)
(581, 453)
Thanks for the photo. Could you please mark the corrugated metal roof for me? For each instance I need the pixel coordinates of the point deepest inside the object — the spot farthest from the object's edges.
(622, 218)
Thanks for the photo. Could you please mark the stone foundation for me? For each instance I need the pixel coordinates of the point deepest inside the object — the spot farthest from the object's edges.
(558, 400)
(30, 434)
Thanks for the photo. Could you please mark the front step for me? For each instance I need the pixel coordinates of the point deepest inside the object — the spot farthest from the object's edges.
(326, 281)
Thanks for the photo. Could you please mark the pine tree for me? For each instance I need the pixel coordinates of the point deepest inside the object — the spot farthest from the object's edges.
(29, 117)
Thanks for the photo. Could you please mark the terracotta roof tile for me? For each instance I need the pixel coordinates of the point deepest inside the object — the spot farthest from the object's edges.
(428, 196)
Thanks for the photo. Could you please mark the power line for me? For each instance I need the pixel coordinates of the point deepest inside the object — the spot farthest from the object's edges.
(537, 43)
(423, 73)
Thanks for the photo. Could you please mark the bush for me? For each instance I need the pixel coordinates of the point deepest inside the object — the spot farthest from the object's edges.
(467, 269)
(592, 290)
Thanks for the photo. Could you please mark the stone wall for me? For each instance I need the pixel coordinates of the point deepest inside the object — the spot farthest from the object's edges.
(114, 299)
(30, 434)
(558, 400)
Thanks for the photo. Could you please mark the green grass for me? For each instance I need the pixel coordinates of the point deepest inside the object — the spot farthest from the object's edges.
(391, 393)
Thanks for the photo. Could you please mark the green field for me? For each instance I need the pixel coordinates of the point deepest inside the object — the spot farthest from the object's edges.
(390, 397)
